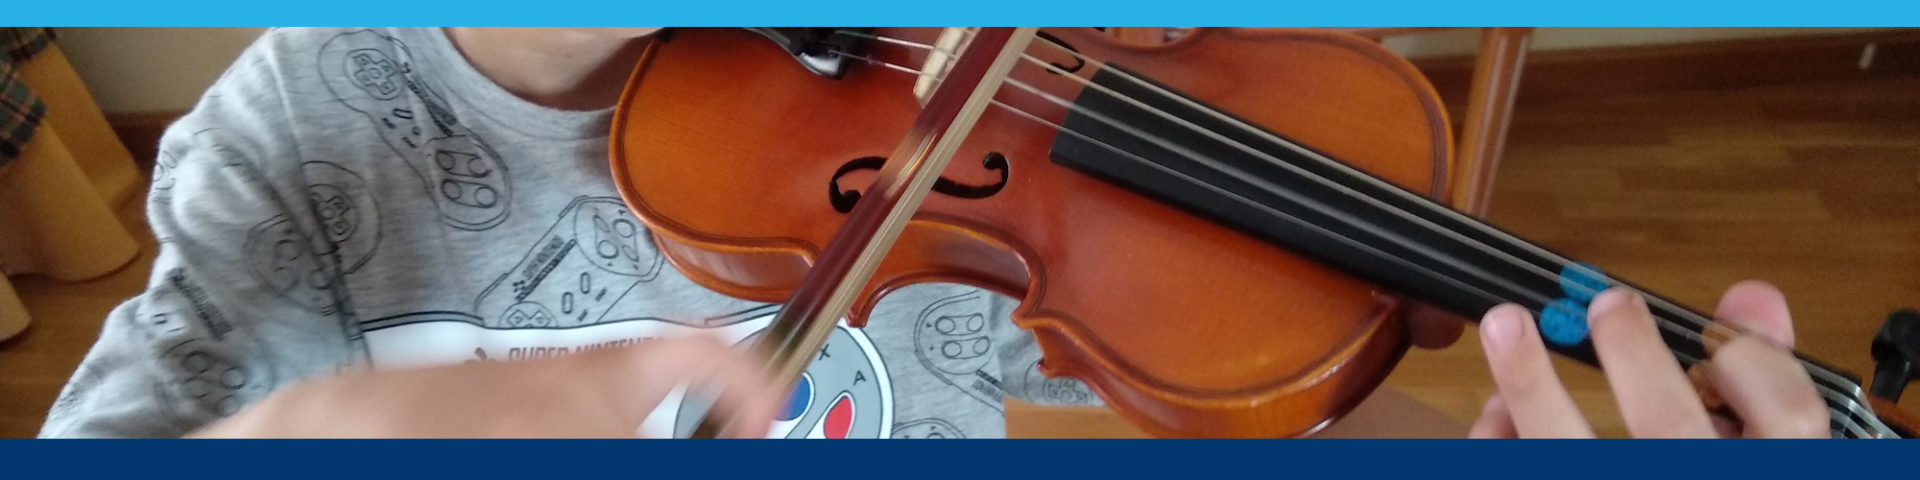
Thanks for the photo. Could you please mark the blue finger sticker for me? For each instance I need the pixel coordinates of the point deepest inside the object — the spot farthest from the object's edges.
(1564, 322)
(1582, 282)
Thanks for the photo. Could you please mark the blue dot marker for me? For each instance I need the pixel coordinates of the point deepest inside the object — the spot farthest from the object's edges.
(1564, 322)
(1582, 282)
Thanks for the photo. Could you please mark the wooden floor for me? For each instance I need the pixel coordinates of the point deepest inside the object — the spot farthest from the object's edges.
(1813, 187)
(66, 321)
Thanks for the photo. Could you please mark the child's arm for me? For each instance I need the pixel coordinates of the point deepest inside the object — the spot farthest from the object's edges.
(242, 298)
(604, 393)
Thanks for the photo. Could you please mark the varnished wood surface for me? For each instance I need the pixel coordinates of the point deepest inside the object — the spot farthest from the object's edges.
(1102, 273)
(1814, 187)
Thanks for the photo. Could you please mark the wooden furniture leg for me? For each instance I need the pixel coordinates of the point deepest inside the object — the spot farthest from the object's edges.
(53, 222)
(1496, 81)
(71, 110)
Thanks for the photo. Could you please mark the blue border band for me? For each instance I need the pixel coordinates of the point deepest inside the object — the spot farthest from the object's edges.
(971, 460)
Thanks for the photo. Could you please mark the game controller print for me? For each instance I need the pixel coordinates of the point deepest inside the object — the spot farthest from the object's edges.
(162, 313)
(210, 382)
(1056, 391)
(373, 74)
(346, 212)
(953, 340)
(164, 323)
(932, 428)
(843, 394)
(285, 262)
(163, 166)
(205, 146)
(577, 272)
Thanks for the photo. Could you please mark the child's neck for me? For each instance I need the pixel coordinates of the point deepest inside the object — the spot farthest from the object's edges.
(557, 68)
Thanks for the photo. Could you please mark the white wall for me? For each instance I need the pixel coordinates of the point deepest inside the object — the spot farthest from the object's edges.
(165, 69)
(132, 70)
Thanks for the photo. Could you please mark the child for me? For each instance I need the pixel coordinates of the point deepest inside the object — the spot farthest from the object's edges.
(349, 199)
(412, 232)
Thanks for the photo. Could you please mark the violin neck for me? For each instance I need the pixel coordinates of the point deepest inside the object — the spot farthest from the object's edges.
(1150, 139)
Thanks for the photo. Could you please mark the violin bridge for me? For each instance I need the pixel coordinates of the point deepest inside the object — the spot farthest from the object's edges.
(939, 59)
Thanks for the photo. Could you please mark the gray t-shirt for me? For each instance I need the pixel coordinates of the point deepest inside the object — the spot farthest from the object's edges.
(364, 197)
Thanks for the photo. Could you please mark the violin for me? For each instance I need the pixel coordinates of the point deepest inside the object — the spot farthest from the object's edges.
(1221, 235)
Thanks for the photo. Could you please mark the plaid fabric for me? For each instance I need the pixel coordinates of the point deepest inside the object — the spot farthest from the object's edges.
(20, 110)
(21, 43)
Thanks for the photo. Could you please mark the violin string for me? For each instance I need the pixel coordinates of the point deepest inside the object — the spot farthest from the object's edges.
(1694, 335)
(1297, 170)
(1689, 359)
(1243, 199)
(1264, 184)
(1702, 323)
(1851, 425)
(1543, 273)
(1848, 421)
(1108, 146)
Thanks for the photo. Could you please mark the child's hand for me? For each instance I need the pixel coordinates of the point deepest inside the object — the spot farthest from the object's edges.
(1759, 379)
(603, 393)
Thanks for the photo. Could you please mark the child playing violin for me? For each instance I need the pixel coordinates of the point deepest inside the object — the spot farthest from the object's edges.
(413, 232)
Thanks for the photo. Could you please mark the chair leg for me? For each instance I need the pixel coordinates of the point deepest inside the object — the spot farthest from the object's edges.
(1496, 82)
(53, 222)
(72, 110)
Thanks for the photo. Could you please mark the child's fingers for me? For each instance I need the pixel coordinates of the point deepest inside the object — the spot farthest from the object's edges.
(746, 398)
(1495, 421)
(1769, 390)
(1759, 308)
(1655, 396)
(1531, 391)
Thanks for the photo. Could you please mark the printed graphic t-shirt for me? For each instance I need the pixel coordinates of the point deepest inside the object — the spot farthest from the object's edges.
(344, 198)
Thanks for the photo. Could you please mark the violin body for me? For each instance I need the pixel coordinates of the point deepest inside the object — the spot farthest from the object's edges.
(741, 163)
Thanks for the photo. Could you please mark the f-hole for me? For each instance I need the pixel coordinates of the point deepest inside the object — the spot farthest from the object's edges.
(843, 200)
(1079, 62)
